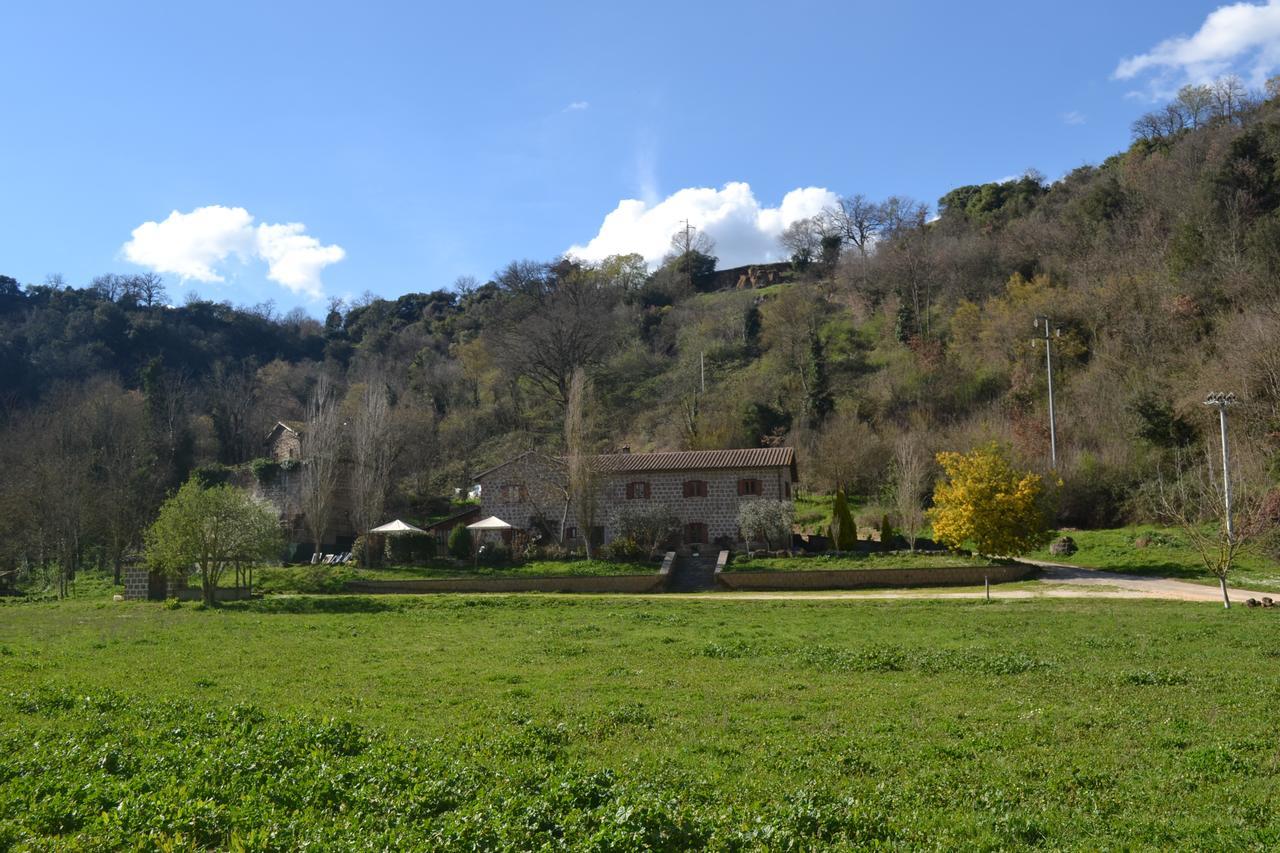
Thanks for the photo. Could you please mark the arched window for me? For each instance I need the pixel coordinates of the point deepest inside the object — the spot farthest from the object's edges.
(695, 488)
(750, 487)
(637, 489)
(695, 533)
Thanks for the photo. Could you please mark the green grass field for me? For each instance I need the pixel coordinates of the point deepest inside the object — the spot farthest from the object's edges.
(624, 723)
(870, 560)
(1159, 551)
(277, 579)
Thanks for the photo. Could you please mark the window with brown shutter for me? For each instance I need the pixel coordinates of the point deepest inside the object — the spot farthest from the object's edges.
(750, 487)
(695, 488)
(638, 489)
(695, 533)
(570, 533)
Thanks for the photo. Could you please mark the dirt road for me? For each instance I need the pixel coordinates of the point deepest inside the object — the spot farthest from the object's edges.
(1055, 581)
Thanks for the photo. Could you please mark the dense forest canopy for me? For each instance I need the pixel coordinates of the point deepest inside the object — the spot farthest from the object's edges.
(1159, 268)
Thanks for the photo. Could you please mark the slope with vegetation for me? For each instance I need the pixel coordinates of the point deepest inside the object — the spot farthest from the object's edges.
(1158, 265)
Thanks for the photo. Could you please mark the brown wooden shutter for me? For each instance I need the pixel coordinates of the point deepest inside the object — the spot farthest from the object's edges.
(742, 485)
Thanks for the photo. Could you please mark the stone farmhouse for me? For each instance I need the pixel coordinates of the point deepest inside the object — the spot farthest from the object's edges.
(702, 489)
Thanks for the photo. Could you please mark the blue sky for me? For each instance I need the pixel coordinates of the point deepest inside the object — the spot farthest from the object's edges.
(412, 143)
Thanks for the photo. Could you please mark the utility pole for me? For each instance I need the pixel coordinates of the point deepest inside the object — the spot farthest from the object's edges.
(1222, 402)
(1048, 365)
(688, 252)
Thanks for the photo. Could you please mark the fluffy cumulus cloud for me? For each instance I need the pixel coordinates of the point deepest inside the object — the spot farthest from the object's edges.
(1242, 37)
(197, 245)
(743, 230)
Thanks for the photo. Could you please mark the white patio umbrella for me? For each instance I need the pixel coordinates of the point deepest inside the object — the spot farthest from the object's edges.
(393, 528)
(490, 523)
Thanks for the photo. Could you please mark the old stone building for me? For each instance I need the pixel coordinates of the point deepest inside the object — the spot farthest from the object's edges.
(702, 489)
(284, 442)
(281, 486)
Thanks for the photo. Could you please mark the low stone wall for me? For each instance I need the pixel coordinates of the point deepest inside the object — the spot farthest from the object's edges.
(568, 583)
(867, 578)
(219, 594)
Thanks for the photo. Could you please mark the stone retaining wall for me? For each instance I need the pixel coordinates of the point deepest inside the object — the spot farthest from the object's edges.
(866, 578)
(137, 585)
(570, 583)
(222, 593)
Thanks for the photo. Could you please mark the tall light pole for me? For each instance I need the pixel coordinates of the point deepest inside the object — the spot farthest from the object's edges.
(1048, 365)
(1222, 402)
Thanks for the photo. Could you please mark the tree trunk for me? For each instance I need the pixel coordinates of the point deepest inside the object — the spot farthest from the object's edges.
(1226, 599)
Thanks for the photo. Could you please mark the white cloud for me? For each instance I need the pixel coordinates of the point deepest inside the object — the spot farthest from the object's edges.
(196, 245)
(1073, 117)
(1242, 36)
(577, 106)
(744, 232)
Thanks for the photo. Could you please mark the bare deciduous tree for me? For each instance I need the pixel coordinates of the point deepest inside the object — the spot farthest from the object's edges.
(546, 329)
(857, 220)
(1191, 496)
(372, 455)
(910, 479)
(803, 241)
(321, 460)
(579, 461)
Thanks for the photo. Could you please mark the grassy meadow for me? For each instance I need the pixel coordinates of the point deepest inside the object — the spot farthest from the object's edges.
(612, 723)
(1160, 552)
(322, 578)
(856, 561)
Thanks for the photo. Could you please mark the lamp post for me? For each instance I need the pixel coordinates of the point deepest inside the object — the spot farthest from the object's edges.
(1222, 401)
(1048, 366)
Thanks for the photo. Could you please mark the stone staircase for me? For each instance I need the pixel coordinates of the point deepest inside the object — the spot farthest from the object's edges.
(693, 574)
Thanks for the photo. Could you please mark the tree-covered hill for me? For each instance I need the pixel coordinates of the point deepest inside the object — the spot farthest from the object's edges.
(1159, 267)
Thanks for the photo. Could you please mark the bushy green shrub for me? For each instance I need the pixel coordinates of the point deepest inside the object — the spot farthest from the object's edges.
(460, 542)
(265, 470)
(768, 521)
(623, 548)
(410, 550)
(494, 554)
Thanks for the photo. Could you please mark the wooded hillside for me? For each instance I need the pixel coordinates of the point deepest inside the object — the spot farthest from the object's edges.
(1160, 266)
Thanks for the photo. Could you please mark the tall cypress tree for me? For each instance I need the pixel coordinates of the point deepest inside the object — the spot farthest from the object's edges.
(844, 535)
(818, 402)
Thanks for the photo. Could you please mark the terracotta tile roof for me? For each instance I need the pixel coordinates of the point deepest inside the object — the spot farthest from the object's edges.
(690, 460)
(679, 460)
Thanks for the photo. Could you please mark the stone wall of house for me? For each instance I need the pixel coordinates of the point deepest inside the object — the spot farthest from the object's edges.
(285, 445)
(528, 488)
(502, 495)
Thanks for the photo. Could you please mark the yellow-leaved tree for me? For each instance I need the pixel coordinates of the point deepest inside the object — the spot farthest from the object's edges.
(984, 501)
